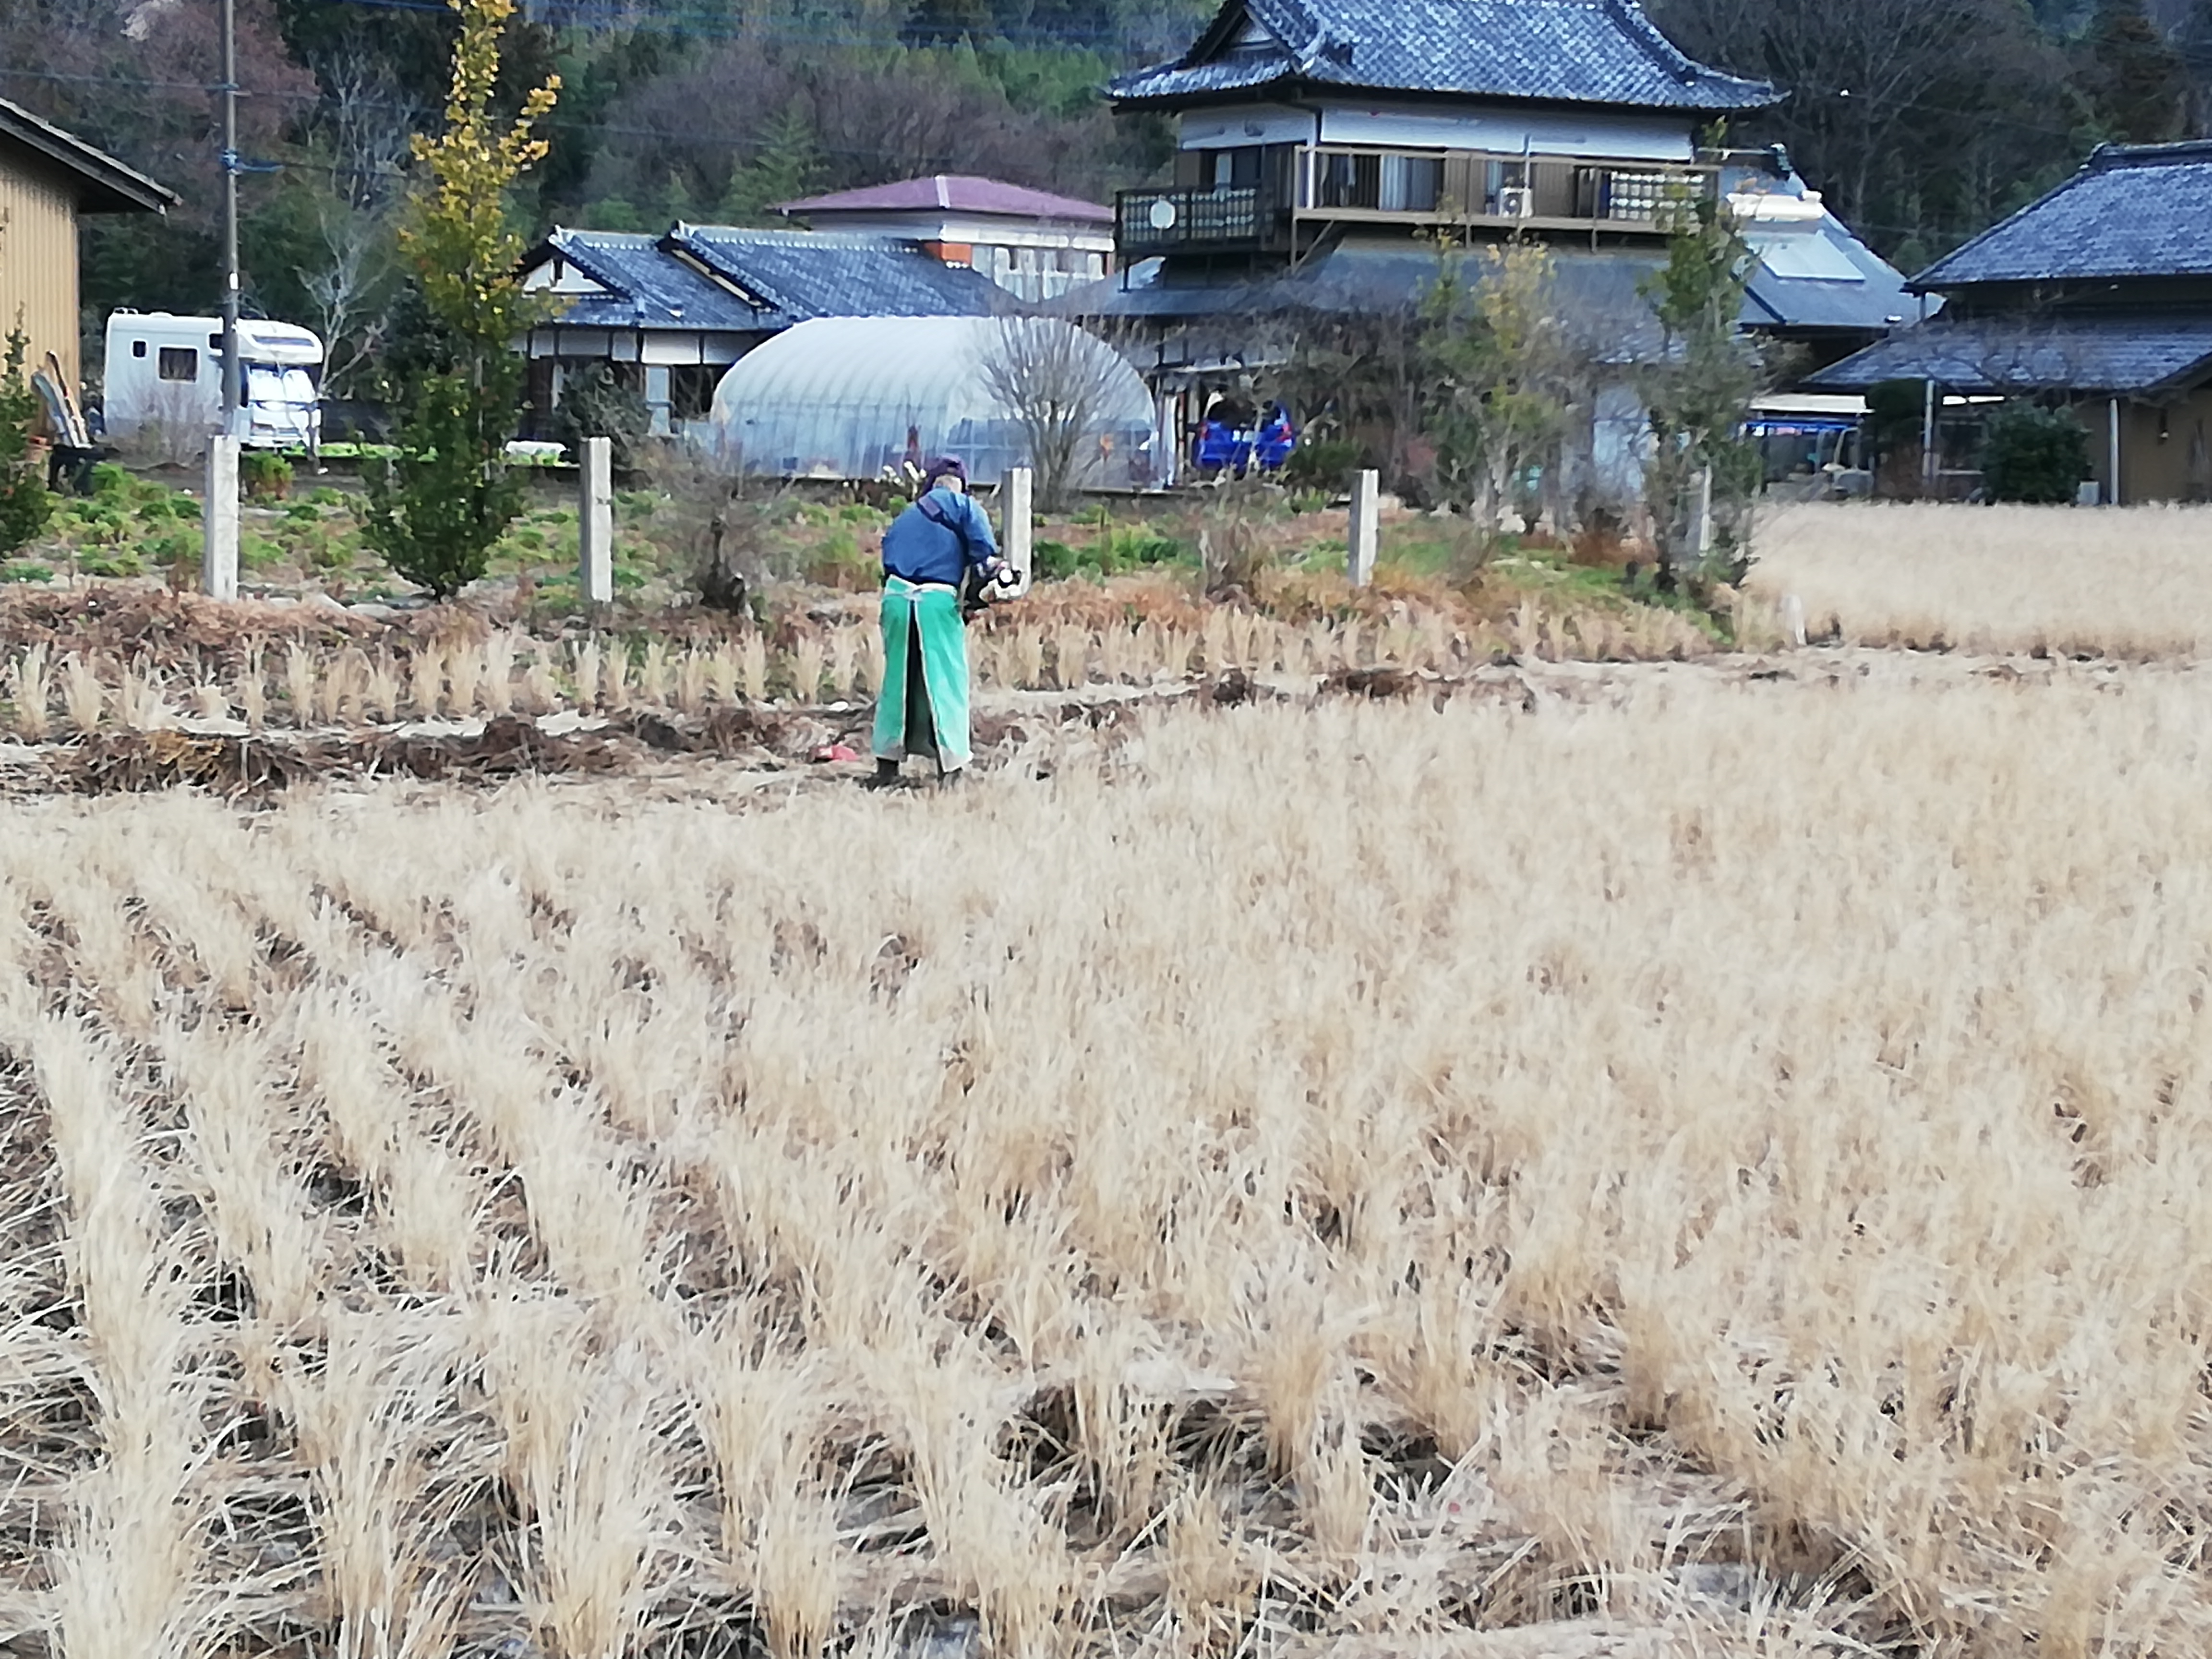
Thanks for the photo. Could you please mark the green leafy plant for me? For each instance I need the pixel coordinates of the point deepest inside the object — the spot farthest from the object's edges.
(27, 570)
(264, 475)
(1319, 465)
(25, 504)
(436, 510)
(2034, 454)
(1505, 373)
(177, 553)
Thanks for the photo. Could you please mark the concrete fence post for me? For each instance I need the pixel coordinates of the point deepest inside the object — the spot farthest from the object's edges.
(1366, 527)
(1793, 619)
(1019, 532)
(219, 520)
(595, 522)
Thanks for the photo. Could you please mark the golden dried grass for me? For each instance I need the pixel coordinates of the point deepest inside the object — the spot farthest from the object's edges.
(1723, 1169)
(2124, 582)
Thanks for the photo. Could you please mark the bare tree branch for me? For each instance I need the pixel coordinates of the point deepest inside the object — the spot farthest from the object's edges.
(1058, 383)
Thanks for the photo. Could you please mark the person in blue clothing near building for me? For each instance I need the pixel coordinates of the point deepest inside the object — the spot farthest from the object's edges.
(932, 552)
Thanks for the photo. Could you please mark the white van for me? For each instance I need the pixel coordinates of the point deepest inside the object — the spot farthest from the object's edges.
(164, 382)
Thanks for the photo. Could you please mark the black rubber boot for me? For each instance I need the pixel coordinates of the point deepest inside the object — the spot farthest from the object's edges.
(887, 774)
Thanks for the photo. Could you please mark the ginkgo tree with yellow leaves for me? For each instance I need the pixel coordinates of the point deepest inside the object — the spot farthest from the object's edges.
(436, 509)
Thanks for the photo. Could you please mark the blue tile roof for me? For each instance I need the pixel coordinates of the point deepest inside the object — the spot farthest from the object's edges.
(727, 280)
(1580, 51)
(799, 275)
(2114, 354)
(647, 288)
(1358, 277)
(2134, 210)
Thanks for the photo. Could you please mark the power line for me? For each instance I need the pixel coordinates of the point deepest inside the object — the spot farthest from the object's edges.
(610, 16)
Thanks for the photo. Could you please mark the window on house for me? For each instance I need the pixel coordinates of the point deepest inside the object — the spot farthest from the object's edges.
(178, 363)
(1234, 169)
(691, 390)
(1411, 184)
(1351, 181)
(137, 348)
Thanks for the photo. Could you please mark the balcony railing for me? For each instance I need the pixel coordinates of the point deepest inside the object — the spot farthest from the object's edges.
(1474, 187)
(1150, 222)
(1324, 183)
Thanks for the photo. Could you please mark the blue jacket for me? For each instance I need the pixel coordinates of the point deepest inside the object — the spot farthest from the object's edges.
(920, 549)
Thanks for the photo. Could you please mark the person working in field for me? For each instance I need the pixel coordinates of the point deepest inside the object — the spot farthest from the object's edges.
(931, 553)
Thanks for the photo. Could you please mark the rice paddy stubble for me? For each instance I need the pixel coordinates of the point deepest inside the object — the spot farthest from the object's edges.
(1520, 1156)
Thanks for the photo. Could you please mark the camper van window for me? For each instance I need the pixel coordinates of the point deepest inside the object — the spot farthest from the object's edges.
(178, 363)
(137, 348)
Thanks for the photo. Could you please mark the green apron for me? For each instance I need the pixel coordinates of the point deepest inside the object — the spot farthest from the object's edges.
(923, 706)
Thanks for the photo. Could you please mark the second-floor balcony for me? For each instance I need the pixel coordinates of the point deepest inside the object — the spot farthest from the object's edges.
(1287, 194)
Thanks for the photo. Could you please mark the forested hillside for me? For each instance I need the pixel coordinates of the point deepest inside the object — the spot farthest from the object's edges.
(1923, 119)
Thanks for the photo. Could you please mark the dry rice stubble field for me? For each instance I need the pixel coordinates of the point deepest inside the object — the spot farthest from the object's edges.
(1723, 1171)
(2129, 582)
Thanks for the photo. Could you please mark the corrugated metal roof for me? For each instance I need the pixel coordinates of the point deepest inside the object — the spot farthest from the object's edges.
(801, 274)
(104, 184)
(2133, 210)
(2120, 353)
(1580, 51)
(954, 192)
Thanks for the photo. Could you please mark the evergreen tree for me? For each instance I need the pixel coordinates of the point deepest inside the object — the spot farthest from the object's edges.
(2137, 83)
(786, 166)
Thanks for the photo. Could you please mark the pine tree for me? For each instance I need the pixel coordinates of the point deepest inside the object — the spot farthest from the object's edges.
(786, 166)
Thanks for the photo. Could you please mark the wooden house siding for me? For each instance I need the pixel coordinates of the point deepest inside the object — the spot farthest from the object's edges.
(39, 260)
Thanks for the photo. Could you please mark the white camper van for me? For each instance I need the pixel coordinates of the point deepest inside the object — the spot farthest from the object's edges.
(165, 378)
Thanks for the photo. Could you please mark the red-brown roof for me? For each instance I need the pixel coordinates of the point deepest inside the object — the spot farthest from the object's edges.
(955, 193)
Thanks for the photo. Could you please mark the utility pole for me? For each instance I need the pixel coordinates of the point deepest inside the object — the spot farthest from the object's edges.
(219, 507)
(230, 164)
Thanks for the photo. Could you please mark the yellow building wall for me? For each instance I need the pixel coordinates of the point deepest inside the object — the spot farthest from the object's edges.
(2166, 454)
(2166, 449)
(38, 262)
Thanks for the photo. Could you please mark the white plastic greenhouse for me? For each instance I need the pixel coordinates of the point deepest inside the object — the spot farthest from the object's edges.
(846, 397)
